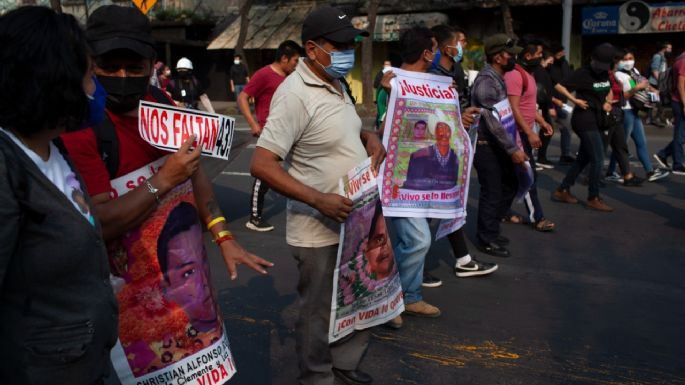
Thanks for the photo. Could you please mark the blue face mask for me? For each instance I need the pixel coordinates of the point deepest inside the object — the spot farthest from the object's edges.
(460, 52)
(96, 105)
(341, 62)
(436, 59)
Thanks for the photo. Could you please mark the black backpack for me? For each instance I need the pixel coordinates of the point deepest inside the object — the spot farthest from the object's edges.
(106, 136)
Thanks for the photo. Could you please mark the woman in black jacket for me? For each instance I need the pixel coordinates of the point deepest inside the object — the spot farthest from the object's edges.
(58, 315)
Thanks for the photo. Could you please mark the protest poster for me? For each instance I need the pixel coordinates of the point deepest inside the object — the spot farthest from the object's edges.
(524, 172)
(170, 328)
(366, 284)
(167, 127)
(429, 154)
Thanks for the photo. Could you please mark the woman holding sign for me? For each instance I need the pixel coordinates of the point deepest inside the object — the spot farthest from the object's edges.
(58, 315)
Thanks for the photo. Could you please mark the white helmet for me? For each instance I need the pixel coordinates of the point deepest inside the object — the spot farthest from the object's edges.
(184, 63)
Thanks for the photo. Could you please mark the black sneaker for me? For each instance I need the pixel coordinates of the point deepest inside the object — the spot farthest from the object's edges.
(663, 162)
(678, 170)
(658, 173)
(430, 280)
(544, 163)
(567, 159)
(474, 268)
(258, 224)
(633, 182)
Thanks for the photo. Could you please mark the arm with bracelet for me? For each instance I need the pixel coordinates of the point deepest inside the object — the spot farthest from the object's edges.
(210, 214)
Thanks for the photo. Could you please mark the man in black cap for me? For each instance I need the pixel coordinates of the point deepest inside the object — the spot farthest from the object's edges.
(313, 123)
(124, 55)
(496, 152)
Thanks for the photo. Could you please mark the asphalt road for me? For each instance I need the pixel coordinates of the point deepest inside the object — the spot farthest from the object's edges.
(599, 301)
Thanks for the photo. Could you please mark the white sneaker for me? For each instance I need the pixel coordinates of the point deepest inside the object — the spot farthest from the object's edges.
(657, 174)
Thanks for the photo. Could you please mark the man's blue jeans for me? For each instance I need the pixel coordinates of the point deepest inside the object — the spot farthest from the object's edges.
(413, 239)
(675, 147)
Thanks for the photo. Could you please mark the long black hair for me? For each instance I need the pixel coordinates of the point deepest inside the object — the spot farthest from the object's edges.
(44, 58)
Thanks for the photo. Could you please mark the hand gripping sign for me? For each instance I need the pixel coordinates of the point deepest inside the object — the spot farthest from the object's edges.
(167, 127)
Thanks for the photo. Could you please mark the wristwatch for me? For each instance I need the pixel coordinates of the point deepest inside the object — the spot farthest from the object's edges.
(152, 190)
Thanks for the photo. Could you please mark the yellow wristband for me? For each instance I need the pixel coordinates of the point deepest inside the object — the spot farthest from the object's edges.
(215, 221)
(223, 233)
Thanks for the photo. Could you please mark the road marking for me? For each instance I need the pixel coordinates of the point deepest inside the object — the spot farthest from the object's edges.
(237, 173)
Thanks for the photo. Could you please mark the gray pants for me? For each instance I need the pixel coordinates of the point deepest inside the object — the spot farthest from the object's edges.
(315, 288)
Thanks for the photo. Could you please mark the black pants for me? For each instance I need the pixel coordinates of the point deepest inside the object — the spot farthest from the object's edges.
(616, 138)
(457, 240)
(498, 186)
(590, 154)
(259, 190)
(542, 151)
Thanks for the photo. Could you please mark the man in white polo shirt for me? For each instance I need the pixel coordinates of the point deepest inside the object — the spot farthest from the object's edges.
(314, 126)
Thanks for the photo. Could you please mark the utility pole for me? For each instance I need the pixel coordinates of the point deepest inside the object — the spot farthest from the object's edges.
(566, 26)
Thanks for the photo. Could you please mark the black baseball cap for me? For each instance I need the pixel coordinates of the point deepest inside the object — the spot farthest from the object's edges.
(113, 27)
(603, 55)
(330, 23)
(500, 42)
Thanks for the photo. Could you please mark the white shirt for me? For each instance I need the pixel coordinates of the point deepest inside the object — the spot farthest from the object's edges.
(57, 170)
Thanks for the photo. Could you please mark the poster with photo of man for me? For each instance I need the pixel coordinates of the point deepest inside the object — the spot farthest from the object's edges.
(429, 153)
(366, 284)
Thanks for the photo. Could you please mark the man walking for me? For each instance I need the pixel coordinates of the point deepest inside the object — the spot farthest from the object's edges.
(657, 69)
(522, 92)
(451, 42)
(496, 153)
(238, 76)
(313, 123)
(261, 87)
(675, 147)
(558, 71)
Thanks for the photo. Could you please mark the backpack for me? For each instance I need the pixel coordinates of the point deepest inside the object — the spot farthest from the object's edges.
(106, 136)
(524, 78)
(640, 101)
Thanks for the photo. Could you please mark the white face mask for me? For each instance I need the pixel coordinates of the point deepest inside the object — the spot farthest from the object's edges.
(236, 61)
(627, 65)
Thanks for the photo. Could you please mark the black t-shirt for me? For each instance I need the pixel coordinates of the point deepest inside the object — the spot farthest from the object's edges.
(186, 90)
(591, 87)
(239, 74)
(558, 71)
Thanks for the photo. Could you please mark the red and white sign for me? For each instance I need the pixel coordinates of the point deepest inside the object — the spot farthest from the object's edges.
(167, 127)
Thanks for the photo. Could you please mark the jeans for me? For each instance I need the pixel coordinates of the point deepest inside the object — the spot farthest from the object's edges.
(591, 152)
(531, 200)
(411, 246)
(498, 185)
(634, 129)
(563, 126)
(675, 147)
(238, 89)
(315, 288)
(259, 190)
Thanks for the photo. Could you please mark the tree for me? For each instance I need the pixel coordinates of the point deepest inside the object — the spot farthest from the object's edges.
(507, 19)
(244, 11)
(367, 55)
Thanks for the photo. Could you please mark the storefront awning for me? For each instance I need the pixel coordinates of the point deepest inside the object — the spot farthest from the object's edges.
(267, 27)
(389, 27)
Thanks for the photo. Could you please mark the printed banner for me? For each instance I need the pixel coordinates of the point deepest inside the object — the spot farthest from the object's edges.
(448, 226)
(634, 16)
(167, 127)
(524, 173)
(429, 154)
(170, 327)
(366, 285)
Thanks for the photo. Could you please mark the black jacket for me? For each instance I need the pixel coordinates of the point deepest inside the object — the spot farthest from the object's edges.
(58, 314)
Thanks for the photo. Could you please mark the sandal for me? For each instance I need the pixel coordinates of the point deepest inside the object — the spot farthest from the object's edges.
(544, 225)
(513, 218)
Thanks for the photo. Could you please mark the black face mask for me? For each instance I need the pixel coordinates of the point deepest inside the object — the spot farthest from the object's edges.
(530, 65)
(511, 63)
(124, 93)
